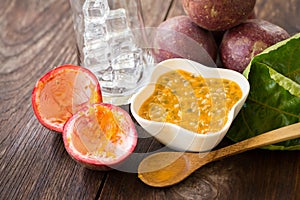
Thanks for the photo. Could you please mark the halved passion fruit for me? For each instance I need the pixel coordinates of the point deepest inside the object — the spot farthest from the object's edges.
(100, 136)
(62, 92)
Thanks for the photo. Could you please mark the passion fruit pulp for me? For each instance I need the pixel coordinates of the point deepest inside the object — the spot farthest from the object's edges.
(100, 136)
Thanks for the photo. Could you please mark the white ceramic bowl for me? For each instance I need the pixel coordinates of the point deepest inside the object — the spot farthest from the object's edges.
(173, 135)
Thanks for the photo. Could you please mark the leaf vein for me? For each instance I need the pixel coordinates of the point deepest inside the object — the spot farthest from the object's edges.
(273, 108)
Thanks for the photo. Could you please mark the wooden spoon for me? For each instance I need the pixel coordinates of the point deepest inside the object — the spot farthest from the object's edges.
(168, 168)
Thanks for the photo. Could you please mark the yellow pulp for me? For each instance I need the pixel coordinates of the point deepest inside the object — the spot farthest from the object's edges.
(192, 102)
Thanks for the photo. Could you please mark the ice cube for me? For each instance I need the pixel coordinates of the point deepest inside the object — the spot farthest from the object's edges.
(122, 42)
(96, 65)
(98, 47)
(96, 54)
(106, 78)
(125, 79)
(116, 21)
(129, 60)
(94, 31)
(106, 75)
(96, 10)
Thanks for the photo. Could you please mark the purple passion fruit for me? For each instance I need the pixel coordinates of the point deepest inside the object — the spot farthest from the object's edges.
(241, 43)
(218, 15)
(179, 37)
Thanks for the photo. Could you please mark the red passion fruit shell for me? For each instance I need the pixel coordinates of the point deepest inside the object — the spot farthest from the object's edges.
(63, 91)
(100, 136)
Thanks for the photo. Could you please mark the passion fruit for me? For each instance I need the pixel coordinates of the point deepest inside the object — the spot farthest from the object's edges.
(218, 15)
(241, 43)
(179, 37)
(62, 92)
(100, 136)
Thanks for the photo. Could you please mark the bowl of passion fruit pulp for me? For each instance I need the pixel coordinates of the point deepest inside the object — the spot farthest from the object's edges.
(174, 135)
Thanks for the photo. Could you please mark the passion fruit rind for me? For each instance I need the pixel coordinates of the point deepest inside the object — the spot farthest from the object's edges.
(53, 110)
(92, 166)
(100, 136)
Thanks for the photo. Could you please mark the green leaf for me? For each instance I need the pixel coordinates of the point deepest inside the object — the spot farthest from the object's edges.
(274, 98)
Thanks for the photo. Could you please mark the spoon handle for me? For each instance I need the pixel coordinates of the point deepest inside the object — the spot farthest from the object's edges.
(271, 137)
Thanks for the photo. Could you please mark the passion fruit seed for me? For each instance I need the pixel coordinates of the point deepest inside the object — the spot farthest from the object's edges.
(100, 136)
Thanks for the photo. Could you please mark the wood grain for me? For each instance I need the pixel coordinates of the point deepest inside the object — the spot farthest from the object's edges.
(282, 13)
(155, 12)
(36, 36)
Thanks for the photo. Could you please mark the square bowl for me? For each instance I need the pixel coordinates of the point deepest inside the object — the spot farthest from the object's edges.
(172, 135)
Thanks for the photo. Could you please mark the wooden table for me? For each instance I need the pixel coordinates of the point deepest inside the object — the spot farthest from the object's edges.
(38, 35)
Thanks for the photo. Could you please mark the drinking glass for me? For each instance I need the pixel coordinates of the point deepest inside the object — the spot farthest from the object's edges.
(112, 44)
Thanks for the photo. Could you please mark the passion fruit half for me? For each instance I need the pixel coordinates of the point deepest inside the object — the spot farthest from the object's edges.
(63, 91)
(100, 136)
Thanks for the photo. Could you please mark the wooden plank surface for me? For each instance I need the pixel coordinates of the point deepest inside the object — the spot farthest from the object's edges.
(38, 35)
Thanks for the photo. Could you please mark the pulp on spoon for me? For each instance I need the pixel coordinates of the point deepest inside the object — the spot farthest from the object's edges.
(166, 168)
